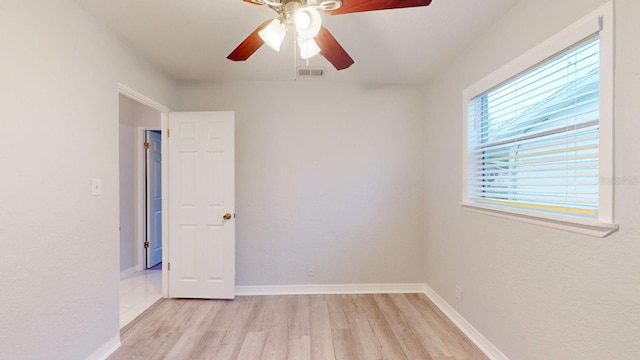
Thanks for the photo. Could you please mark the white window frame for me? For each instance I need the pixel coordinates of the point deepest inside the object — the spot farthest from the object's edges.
(599, 21)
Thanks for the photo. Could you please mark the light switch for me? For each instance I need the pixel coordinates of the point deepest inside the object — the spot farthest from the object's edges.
(96, 187)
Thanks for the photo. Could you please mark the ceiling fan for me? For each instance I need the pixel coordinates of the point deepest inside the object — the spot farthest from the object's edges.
(312, 38)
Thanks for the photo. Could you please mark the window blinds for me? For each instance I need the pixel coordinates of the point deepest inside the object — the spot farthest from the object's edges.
(533, 141)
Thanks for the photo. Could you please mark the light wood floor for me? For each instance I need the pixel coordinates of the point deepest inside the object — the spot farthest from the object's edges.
(321, 327)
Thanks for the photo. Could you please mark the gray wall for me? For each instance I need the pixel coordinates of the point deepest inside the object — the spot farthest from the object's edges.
(59, 245)
(328, 175)
(535, 292)
(361, 182)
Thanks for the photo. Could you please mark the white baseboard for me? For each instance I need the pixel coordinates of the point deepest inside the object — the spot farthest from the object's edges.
(126, 273)
(106, 350)
(329, 289)
(474, 335)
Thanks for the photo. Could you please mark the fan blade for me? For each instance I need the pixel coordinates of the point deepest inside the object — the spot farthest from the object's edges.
(351, 6)
(332, 50)
(251, 44)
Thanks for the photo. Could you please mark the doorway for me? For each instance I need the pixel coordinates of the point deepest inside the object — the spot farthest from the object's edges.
(138, 117)
(136, 121)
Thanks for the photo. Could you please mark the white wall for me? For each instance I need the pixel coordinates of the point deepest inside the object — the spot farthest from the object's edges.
(328, 175)
(132, 115)
(59, 254)
(536, 293)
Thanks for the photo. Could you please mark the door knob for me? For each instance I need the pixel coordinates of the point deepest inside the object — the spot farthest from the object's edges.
(227, 216)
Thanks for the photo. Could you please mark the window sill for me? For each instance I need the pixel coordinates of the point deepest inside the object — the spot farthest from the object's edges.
(584, 227)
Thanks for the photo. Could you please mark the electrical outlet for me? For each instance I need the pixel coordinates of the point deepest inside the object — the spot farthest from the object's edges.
(458, 292)
(310, 271)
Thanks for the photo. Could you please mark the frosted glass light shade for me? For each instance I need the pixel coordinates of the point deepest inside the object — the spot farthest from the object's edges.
(308, 22)
(308, 47)
(328, 5)
(273, 34)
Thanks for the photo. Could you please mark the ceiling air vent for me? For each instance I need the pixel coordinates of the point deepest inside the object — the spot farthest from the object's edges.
(311, 72)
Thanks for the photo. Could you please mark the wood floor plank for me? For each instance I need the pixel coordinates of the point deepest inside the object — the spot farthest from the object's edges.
(182, 321)
(457, 344)
(215, 307)
(426, 334)
(224, 318)
(275, 347)
(299, 347)
(344, 345)
(336, 311)
(296, 327)
(401, 329)
(300, 323)
(237, 330)
(149, 322)
(365, 340)
(390, 348)
(162, 332)
(320, 330)
(191, 332)
(253, 346)
(266, 316)
(208, 346)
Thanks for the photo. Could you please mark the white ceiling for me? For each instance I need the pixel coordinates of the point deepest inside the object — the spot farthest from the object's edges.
(190, 39)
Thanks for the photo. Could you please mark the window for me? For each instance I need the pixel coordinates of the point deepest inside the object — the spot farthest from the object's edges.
(533, 141)
(539, 133)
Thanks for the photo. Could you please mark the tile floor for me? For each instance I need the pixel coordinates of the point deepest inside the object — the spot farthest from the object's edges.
(137, 293)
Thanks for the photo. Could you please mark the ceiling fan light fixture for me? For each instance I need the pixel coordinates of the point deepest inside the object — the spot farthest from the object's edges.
(275, 3)
(308, 22)
(310, 35)
(308, 47)
(273, 34)
(328, 5)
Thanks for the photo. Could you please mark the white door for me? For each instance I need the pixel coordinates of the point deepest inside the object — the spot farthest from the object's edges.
(202, 205)
(153, 147)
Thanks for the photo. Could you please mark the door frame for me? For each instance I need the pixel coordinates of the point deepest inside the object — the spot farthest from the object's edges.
(141, 194)
(140, 181)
